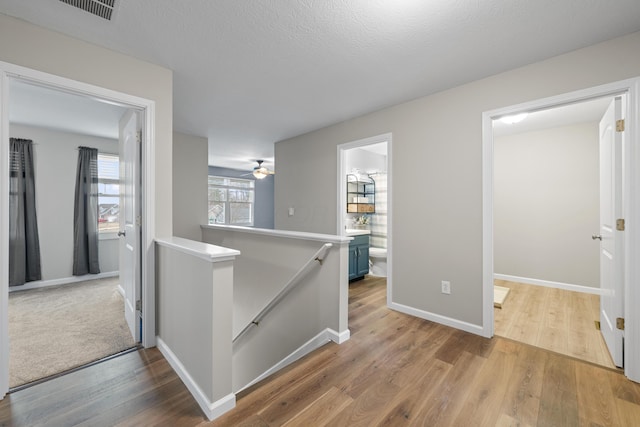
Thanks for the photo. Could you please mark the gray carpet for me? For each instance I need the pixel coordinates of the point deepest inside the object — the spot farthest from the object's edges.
(58, 328)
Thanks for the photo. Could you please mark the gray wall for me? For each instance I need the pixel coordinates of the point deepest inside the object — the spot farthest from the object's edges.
(263, 210)
(189, 185)
(546, 205)
(436, 160)
(55, 163)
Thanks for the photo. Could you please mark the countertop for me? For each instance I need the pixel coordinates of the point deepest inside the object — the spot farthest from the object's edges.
(350, 232)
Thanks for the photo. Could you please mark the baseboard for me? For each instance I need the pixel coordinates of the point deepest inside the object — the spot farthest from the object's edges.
(306, 348)
(62, 281)
(212, 410)
(549, 284)
(339, 337)
(447, 321)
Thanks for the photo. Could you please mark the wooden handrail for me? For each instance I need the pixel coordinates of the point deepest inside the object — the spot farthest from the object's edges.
(295, 279)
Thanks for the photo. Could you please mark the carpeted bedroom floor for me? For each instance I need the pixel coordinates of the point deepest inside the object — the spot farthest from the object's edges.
(54, 329)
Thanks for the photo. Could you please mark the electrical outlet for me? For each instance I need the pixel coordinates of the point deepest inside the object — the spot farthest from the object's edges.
(446, 287)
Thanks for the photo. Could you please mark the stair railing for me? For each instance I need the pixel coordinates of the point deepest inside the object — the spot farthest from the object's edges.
(295, 279)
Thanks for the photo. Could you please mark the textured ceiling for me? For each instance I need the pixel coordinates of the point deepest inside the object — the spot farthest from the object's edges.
(248, 73)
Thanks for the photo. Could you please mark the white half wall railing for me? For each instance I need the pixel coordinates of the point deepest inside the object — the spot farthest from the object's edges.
(194, 295)
(298, 307)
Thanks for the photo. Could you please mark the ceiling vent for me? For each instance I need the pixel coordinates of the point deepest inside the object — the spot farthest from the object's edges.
(101, 8)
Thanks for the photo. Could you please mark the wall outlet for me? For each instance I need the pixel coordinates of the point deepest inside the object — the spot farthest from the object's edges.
(446, 287)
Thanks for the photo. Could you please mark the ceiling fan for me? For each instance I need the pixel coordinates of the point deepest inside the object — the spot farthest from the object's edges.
(261, 172)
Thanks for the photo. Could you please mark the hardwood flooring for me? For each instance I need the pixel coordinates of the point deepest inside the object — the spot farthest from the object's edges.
(395, 370)
(554, 319)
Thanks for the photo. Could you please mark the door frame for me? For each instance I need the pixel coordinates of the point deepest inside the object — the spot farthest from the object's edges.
(631, 201)
(147, 108)
(342, 190)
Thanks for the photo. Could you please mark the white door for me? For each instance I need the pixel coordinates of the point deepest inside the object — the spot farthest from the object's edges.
(611, 240)
(130, 261)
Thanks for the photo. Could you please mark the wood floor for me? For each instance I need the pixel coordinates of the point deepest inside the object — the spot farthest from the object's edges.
(554, 319)
(395, 370)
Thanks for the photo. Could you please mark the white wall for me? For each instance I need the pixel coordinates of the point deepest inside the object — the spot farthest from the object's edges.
(366, 161)
(55, 163)
(190, 154)
(34, 47)
(546, 205)
(437, 173)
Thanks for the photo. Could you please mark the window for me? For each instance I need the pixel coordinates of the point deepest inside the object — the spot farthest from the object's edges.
(108, 193)
(231, 200)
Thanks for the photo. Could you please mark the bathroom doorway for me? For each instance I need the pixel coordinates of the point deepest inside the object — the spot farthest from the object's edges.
(369, 158)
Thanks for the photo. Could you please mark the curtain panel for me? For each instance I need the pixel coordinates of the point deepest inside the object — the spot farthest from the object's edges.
(24, 243)
(85, 216)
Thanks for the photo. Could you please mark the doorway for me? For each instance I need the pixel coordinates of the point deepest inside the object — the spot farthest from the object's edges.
(65, 320)
(10, 72)
(369, 158)
(490, 225)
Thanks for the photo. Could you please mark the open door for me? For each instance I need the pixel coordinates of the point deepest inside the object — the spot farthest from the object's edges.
(610, 235)
(130, 236)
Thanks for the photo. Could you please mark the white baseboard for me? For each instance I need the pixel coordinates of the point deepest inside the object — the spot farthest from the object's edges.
(212, 410)
(306, 348)
(549, 284)
(62, 281)
(447, 321)
(339, 337)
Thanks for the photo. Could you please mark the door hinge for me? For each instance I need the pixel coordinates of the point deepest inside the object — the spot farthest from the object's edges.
(620, 125)
(620, 224)
(138, 305)
(138, 221)
(620, 323)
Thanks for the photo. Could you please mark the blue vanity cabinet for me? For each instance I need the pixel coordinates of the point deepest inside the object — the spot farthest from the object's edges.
(359, 257)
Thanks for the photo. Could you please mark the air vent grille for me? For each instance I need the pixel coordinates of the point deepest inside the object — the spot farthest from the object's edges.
(101, 8)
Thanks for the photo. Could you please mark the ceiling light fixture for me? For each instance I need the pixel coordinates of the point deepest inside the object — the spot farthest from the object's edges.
(514, 118)
(260, 172)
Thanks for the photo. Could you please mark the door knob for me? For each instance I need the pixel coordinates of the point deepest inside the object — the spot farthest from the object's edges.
(121, 233)
(596, 237)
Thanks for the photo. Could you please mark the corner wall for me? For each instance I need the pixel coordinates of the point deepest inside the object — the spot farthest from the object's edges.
(189, 185)
(437, 174)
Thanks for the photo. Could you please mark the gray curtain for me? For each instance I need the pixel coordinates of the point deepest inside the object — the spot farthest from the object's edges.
(85, 215)
(24, 244)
